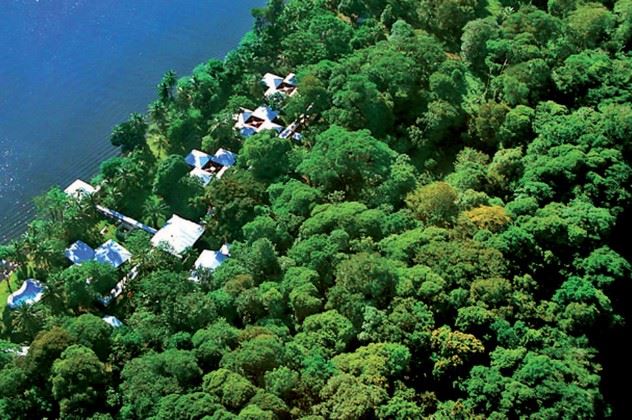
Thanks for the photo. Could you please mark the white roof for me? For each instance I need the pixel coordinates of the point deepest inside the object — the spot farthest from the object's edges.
(272, 81)
(290, 79)
(79, 252)
(225, 249)
(204, 176)
(210, 260)
(79, 189)
(265, 113)
(247, 131)
(21, 351)
(245, 114)
(269, 125)
(224, 157)
(112, 253)
(178, 234)
(113, 321)
(197, 158)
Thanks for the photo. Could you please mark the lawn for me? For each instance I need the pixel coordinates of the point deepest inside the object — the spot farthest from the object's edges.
(4, 290)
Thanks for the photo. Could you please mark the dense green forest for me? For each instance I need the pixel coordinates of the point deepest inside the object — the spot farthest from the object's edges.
(447, 240)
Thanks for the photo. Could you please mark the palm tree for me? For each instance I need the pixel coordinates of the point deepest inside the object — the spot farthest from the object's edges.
(25, 321)
(158, 113)
(7, 257)
(166, 85)
(155, 211)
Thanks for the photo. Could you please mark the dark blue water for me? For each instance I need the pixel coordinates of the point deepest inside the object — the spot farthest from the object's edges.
(71, 70)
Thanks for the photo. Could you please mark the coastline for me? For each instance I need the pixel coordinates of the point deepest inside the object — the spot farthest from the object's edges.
(90, 106)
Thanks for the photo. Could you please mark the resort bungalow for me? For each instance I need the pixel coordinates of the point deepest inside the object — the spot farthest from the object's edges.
(110, 252)
(205, 177)
(197, 159)
(279, 85)
(79, 252)
(80, 189)
(207, 167)
(251, 122)
(177, 235)
(112, 321)
(209, 261)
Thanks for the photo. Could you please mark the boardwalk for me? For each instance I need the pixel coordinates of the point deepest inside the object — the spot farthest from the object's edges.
(127, 221)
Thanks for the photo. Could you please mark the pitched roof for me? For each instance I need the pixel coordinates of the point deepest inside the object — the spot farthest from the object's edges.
(204, 176)
(112, 253)
(273, 82)
(265, 113)
(79, 252)
(79, 189)
(269, 125)
(112, 321)
(178, 234)
(197, 158)
(224, 157)
(210, 260)
(290, 79)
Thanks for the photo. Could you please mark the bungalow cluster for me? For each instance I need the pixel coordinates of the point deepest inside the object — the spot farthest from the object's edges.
(178, 234)
(249, 122)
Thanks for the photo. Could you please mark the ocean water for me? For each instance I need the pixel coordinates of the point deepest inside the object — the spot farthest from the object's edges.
(72, 69)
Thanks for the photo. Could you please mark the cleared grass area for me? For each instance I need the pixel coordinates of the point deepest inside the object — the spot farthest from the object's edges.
(5, 292)
(154, 141)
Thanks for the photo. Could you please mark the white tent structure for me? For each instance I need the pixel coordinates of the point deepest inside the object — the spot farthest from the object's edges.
(112, 253)
(79, 189)
(177, 235)
(197, 158)
(79, 252)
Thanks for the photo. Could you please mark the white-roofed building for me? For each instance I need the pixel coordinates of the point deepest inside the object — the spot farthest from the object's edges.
(79, 189)
(224, 157)
(210, 260)
(197, 158)
(113, 253)
(204, 176)
(278, 85)
(177, 235)
(112, 321)
(79, 252)
(265, 113)
(251, 122)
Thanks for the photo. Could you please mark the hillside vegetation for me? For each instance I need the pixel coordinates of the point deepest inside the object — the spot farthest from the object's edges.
(447, 240)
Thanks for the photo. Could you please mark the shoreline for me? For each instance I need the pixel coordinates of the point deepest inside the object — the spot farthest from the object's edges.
(17, 209)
